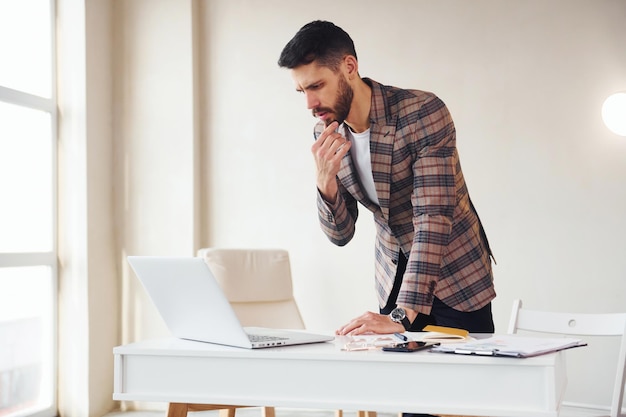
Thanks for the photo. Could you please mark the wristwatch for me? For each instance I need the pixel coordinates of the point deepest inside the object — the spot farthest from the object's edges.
(398, 315)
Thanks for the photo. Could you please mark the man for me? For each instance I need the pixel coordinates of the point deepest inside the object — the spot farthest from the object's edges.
(394, 151)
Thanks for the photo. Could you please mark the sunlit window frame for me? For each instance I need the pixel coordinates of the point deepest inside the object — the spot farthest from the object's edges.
(49, 259)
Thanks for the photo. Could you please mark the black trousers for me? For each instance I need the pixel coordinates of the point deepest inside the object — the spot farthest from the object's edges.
(479, 321)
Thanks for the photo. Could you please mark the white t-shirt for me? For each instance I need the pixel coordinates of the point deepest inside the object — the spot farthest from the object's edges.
(362, 160)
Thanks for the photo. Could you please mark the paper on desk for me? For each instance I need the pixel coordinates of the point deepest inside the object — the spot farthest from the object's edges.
(372, 341)
(511, 345)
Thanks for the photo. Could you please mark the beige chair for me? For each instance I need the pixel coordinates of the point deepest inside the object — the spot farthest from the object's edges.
(600, 324)
(257, 282)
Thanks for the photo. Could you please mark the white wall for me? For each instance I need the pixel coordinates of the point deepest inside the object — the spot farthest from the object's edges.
(524, 81)
(155, 141)
(88, 293)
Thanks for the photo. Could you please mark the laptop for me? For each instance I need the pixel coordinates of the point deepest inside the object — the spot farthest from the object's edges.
(193, 306)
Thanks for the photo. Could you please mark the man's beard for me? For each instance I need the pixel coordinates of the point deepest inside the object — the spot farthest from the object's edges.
(345, 94)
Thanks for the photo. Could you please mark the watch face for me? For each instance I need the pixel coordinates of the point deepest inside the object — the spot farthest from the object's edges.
(397, 314)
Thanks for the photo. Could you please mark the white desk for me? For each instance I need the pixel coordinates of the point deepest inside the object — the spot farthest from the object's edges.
(321, 376)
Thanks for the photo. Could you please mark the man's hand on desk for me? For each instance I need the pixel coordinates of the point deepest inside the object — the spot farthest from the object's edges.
(370, 322)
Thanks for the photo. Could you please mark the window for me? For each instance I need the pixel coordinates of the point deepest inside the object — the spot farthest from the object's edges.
(28, 258)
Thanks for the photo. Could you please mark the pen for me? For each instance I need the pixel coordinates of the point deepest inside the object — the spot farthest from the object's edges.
(401, 337)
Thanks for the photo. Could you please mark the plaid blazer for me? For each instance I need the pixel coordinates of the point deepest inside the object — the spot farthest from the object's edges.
(425, 209)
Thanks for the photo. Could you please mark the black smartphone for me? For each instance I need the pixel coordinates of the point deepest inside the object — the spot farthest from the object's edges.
(411, 346)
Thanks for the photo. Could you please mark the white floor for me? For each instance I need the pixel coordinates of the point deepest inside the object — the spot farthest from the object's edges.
(288, 412)
(566, 411)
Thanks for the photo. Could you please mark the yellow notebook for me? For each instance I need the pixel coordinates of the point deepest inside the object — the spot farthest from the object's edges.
(445, 334)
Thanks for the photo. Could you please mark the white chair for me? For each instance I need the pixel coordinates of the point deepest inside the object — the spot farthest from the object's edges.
(600, 324)
(258, 284)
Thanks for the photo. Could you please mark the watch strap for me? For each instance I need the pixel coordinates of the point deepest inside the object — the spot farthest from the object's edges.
(406, 323)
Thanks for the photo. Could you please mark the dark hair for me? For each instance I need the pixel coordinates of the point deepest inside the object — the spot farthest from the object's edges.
(319, 41)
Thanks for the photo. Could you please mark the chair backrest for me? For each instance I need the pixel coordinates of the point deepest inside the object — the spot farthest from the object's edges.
(258, 284)
(600, 324)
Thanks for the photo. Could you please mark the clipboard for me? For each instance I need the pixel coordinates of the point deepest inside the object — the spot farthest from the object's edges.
(511, 345)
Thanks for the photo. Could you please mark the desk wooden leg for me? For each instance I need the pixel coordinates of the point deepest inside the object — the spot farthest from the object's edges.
(269, 412)
(177, 410)
(366, 413)
(338, 413)
(227, 412)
